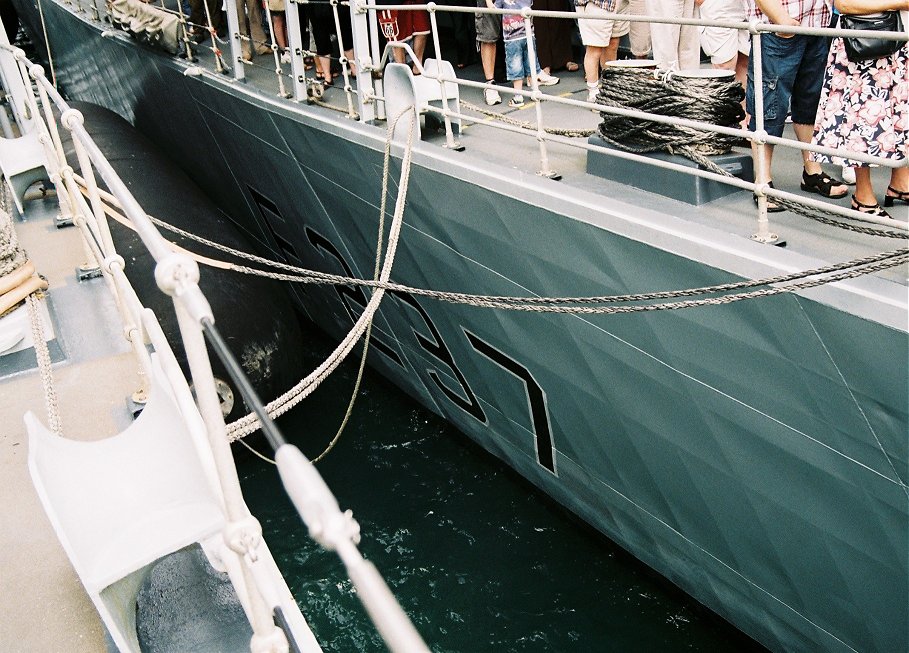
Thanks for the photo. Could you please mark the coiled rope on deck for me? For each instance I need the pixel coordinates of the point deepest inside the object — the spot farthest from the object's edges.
(714, 100)
(21, 284)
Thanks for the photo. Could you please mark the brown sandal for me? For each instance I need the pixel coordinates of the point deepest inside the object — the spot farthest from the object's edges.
(869, 209)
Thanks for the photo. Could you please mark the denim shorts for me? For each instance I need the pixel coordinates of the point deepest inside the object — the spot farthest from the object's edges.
(517, 61)
(793, 73)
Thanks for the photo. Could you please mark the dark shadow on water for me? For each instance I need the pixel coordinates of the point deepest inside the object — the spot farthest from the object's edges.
(478, 557)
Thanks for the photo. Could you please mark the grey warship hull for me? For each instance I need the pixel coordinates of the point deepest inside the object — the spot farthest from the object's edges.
(753, 453)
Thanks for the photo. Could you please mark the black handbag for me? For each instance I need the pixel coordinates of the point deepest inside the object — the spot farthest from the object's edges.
(862, 48)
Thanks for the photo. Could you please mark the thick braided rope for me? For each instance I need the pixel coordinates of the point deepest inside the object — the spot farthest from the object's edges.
(42, 354)
(297, 274)
(301, 390)
(711, 100)
(12, 256)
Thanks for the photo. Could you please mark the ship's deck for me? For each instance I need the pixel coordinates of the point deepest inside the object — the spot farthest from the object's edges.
(733, 214)
(94, 371)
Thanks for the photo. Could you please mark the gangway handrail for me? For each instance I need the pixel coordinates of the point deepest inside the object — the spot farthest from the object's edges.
(177, 274)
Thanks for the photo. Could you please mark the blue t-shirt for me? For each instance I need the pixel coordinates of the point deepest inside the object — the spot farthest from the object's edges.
(513, 26)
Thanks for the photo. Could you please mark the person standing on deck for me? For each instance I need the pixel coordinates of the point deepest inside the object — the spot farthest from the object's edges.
(489, 31)
(249, 14)
(518, 62)
(865, 108)
(793, 70)
(675, 47)
(600, 37)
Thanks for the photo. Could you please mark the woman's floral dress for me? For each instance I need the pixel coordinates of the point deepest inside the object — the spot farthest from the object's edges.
(864, 106)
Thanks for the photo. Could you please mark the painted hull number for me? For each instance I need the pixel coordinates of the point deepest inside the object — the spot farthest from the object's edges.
(434, 345)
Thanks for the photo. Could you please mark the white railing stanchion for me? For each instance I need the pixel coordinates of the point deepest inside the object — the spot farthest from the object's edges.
(91, 186)
(296, 47)
(545, 170)
(450, 142)
(177, 275)
(365, 58)
(282, 92)
(345, 64)
(759, 144)
(236, 42)
(376, 55)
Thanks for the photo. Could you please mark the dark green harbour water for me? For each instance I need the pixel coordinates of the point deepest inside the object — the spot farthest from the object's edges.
(479, 558)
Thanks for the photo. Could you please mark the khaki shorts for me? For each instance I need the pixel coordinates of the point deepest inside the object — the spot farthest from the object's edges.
(597, 33)
(276, 5)
(719, 43)
(488, 26)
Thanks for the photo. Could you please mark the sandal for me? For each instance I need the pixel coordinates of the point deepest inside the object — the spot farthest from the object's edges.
(822, 184)
(900, 196)
(869, 209)
(772, 207)
(572, 67)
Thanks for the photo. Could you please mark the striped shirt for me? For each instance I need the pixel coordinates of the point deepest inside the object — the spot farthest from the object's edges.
(809, 13)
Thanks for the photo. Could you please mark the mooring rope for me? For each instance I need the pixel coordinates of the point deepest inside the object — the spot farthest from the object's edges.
(12, 258)
(250, 423)
(295, 274)
(523, 124)
(712, 100)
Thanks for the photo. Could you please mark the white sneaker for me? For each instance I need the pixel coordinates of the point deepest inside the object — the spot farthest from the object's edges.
(517, 101)
(546, 80)
(285, 57)
(592, 92)
(849, 176)
(491, 96)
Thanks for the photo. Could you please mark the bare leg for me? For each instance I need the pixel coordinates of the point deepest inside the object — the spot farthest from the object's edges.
(899, 179)
(419, 46)
(864, 192)
(610, 52)
(804, 134)
(323, 66)
(592, 57)
(277, 24)
(488, 58)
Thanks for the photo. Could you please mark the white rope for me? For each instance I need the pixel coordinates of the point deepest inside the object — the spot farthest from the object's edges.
(42, 354)
(50, 58)
(250, 423)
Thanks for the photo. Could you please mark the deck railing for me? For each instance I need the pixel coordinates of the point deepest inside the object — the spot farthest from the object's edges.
(365, 101)
(177, 274)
